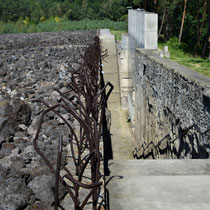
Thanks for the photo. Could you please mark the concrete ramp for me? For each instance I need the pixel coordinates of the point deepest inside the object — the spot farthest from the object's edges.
(159, 185)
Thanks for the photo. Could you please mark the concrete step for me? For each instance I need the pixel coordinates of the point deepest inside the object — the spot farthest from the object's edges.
(161, 167)
(159, 184)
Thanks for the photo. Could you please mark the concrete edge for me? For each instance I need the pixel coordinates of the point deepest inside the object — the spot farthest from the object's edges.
(187, 73)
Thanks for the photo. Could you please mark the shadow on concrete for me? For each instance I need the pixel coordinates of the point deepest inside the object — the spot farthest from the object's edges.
(108, 154)
(107, 200)
(196, 146)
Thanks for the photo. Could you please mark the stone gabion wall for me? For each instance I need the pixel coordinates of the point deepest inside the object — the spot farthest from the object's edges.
(31, 65)
(171, 110)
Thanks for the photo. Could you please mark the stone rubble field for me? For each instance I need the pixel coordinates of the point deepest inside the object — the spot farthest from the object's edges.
(31, 65)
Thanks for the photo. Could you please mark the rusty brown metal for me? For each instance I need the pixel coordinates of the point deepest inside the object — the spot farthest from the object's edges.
(87, 106)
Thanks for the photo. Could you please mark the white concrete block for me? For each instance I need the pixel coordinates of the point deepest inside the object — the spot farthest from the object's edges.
(150, 40)
(151, 22)
(141, 22)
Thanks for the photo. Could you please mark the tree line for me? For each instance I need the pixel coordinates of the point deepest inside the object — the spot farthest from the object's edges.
(186, 20)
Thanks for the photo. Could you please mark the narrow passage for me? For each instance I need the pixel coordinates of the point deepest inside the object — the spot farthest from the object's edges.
(120, 131)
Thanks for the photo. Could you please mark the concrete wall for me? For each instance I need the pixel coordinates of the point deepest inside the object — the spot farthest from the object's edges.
(126, 61)
(143, 26)
(171, 109)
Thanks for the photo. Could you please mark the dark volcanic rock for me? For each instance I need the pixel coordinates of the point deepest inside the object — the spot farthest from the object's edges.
(22, 112)
(19, 41)
(14, 194)
(31, 65)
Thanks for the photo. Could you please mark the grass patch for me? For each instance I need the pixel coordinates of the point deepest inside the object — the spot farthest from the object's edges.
(61, 25)
(198, 64)
(118, 34)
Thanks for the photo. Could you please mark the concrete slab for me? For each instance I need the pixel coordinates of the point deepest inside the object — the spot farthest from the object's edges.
(105, 33)
(114, 97)
(114, 106)
(159, 185)
(160, 167)
(121, 136)
(160, 192)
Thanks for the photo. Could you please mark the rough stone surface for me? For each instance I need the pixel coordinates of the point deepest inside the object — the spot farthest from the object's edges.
(172, 114)
(31, 65)
(19, 41)
(42, 187)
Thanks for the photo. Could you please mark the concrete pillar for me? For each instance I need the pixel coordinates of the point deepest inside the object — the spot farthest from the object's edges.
(143, 26)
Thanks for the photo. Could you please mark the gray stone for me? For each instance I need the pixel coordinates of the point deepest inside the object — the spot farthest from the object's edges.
(22, 126)
(1, 140)
(67, 202)
(16, 151)
(55, 96)
(13, 202)
(31, 131)
(3, 72)
(3, 121)
(42, 187)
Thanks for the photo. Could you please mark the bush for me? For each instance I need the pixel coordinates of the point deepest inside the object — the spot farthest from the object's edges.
(174, 43)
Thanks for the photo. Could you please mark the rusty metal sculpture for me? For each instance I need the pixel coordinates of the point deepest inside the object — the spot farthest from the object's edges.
(87, 106)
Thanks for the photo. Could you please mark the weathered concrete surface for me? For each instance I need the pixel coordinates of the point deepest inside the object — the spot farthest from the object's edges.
(159, 184)
(121, 138)
(126, 59)
(143, 26)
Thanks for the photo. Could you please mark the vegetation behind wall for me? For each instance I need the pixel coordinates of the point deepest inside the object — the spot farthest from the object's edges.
(187, 20)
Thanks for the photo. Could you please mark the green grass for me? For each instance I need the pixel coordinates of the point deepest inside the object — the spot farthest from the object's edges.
(118, 34)
(62, 25)
(198, 64)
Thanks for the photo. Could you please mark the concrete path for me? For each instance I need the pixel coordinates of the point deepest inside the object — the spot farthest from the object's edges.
(159, 185)
(147, 184)
(120, 130)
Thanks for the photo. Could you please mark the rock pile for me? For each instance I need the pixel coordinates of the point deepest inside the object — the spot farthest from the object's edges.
(46, 39)
(30, 66)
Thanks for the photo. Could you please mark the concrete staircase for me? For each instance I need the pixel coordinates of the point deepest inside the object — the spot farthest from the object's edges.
(147, 184)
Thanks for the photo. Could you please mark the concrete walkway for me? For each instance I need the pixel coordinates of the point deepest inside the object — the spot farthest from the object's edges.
(147, 184)
(159, 185)
(121, 138)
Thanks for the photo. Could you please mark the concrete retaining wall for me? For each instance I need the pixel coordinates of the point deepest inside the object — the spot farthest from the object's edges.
(126, 61)
(171, 109)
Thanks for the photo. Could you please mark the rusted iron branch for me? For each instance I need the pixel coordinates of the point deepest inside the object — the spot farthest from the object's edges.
(85, 101)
